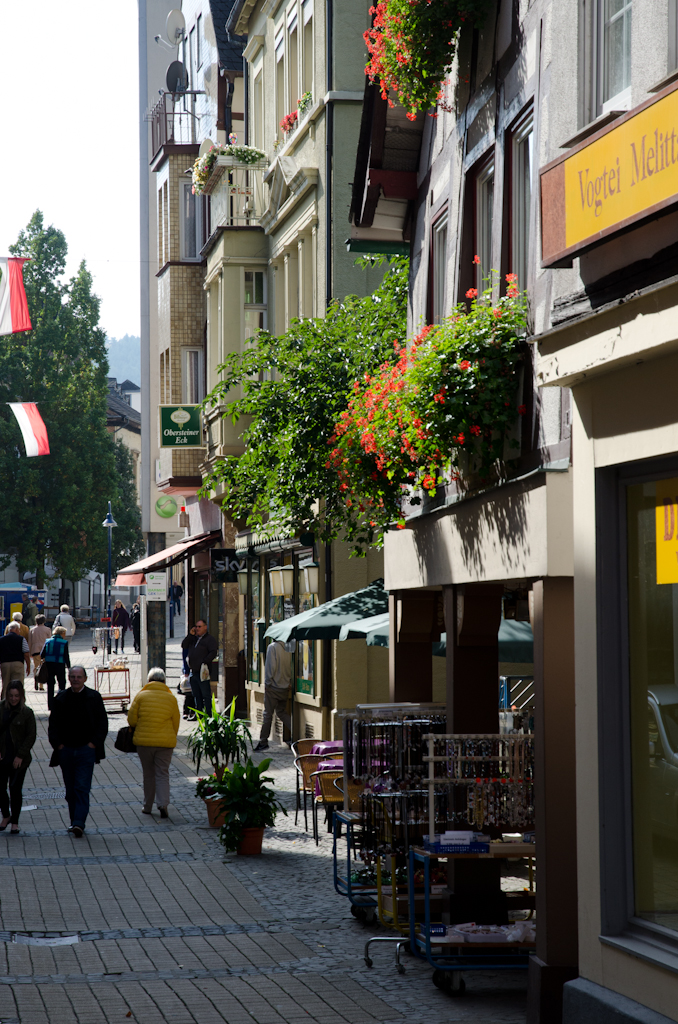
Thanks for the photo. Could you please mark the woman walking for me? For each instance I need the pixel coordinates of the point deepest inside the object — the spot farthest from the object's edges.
(154, 716)
(17, 736)
(135, 626)
(38, 635)
(55, 653)
(120, 623)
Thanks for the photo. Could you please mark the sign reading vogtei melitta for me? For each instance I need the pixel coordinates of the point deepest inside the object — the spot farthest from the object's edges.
(180, 426)
(623, 174)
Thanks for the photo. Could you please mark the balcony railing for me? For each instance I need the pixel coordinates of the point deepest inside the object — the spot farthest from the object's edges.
(237, 192)
(169, 124)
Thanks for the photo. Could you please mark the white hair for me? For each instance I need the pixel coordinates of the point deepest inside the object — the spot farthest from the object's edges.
(64, 608)
(18, 617)
(13, 626)
(156, 675)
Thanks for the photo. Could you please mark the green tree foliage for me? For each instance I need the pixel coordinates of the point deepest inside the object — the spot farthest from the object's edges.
(128, 543)
(293, 388)
(53, 505)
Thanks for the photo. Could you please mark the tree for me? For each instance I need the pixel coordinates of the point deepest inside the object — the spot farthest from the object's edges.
(294, 387)
(128, 543)
(53, 505)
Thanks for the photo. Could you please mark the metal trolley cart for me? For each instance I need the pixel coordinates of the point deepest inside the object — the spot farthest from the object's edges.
(114, 685)
(361, 897)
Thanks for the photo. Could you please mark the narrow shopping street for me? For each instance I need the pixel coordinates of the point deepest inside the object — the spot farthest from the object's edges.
(150, 921)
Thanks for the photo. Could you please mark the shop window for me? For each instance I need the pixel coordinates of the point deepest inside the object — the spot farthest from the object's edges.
(521, 173)
(652, 544)
(483, 223)
(253, 614)
(193, 376)
(439, 267)
(255, 302)
(614, 54)
(191, 224)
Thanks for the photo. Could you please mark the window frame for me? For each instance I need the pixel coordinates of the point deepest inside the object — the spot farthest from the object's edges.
(439, 225)
(621, 100)
(619, 926)
(186, 351)
(255, 307)
(485, 172)
(520, 130)
(186, 188)
(199, 42)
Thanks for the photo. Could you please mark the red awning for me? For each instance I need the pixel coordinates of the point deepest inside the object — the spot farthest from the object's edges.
(169, 556)
(130, 579)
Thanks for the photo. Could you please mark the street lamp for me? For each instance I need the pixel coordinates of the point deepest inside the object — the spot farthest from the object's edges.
(109, 522)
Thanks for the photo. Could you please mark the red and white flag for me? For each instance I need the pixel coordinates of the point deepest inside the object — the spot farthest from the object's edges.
(13, 305)
(32, 427)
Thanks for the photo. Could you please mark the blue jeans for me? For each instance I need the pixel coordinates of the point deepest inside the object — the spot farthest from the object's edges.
(77, 768)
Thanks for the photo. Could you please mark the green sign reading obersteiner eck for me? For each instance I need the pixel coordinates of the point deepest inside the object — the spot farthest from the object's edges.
(180, 426)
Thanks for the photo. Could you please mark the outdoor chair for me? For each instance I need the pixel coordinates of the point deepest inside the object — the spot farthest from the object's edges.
(306, 764)
(355, 791)
(300, 747)
(329, 796)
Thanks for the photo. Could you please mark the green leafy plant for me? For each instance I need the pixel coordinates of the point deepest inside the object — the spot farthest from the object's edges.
(219, 737)
(247, 801)
(412, 44)
(441, 412)
(305, 103)
(293, 388)
(202, 168)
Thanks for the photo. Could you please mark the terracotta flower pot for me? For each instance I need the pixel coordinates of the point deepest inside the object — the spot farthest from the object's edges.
(215, 813)
(251, 841)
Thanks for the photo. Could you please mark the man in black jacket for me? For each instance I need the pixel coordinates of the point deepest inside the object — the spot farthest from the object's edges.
(78, 726)
(201, 649)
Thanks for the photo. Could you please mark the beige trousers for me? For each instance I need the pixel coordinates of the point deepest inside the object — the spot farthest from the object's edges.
(12, 670)
(155, 762)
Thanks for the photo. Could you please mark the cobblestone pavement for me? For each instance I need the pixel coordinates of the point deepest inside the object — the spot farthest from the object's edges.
(148, 920)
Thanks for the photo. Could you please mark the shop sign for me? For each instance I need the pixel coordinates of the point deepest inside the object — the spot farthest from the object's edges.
(225, 563)
(156, 586)
(622, 175)
(180, 426)
(666, 530)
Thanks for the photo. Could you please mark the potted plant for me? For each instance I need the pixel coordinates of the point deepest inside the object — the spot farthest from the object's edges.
(249, 806)
(219, 737)
(209, 789)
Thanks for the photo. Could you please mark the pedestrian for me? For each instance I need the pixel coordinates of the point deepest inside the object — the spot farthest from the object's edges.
(29, 611)
(135, 625)
(55, 653)
(13, 656)
(177, 594)
(154, 716)
(18, 619)
(201, 650)
(17, 737)
(120, 623)
(77, 729)
(186, 645)
(38, 635)
(65, 619)
(277, 678)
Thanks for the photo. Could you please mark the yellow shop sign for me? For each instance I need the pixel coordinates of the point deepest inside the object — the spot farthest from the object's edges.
(666, 530)
(624, 173)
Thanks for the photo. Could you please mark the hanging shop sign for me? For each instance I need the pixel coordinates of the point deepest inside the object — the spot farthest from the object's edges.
(618, 177)
(225, 564)
(666, 530)
(180, 426)
(156, 586)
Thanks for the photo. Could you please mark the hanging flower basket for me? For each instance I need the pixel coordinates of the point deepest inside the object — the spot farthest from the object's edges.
(202, 168)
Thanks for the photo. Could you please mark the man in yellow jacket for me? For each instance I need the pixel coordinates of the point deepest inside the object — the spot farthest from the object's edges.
(154, 716)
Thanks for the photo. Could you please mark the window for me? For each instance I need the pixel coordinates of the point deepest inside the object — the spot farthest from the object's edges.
(614, 54)
(293, 61)
(191, 58)
(200, 42)
(439, 264)
(255, 302)
(191, 224)
(521, 166)
(280, 76)
(193, 390)
(484, 218)
(258, 110)
(307, 56)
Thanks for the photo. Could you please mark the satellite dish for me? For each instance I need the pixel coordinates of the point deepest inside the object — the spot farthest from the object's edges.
(205, 146)
(175, 27)
(176, 79)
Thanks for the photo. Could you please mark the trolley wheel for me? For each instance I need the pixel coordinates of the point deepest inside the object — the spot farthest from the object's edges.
(400, 969)
(459, 990)
(369, 915)
(356, 911)
(438, 979)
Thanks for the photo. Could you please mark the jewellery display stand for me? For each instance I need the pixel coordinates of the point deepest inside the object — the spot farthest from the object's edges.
(112, 680)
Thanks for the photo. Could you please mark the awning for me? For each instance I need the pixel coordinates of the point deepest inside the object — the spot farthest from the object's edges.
(168, 556)
(326, 621)
(130, 579)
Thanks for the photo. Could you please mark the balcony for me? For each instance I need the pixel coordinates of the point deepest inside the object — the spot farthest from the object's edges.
(170, 125)
(237, 192)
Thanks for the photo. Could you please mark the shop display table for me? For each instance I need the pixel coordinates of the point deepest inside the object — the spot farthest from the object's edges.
(114, 685)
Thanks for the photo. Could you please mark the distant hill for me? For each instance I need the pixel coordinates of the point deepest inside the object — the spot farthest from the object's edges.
(124, 357)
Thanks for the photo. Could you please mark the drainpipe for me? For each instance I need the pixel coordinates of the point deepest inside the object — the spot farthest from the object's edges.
(329, 146)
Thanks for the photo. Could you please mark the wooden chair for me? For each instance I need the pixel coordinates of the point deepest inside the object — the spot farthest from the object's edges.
(300, 747)
(306, 764)
(329, 796)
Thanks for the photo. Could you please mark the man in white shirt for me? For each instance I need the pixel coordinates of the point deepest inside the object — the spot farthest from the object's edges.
(277, 678)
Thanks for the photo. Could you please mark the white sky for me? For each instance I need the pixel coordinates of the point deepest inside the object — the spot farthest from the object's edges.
(70, 139)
